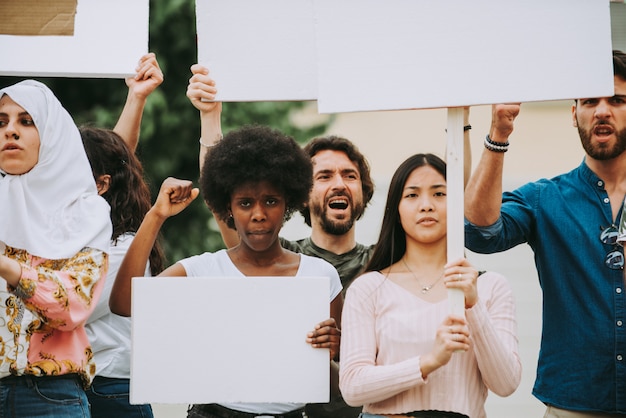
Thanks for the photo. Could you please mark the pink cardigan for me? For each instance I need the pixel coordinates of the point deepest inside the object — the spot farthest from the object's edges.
(386, 329)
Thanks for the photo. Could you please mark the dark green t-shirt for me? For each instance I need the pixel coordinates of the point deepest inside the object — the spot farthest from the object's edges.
(348, 265)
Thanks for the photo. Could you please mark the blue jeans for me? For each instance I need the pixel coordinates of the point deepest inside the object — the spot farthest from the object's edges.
(109, 397)
(43, 397)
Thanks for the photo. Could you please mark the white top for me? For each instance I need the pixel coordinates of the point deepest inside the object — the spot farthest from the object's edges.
(109, 334)
(219, 264)
(54, 209)
(385, 330)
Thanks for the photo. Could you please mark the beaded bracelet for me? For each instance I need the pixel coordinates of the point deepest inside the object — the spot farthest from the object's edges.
(496, 146)
(219, 137)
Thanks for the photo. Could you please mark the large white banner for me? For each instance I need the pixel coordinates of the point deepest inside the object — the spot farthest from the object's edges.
(357, 55)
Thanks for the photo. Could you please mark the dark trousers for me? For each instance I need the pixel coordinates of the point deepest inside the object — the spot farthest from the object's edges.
(213, 410)
(336, 408)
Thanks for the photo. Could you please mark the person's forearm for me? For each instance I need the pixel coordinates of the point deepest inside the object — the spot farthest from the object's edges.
(10, 270)
(368, 383)
(483, 194)
(134, 263)
(80, 279)
(129, 123)
(210, 133)
(494, 334)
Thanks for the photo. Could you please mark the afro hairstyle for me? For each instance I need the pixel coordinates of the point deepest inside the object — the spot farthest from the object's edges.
(254, 154)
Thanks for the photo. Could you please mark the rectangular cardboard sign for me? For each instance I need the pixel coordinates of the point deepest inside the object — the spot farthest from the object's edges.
(36, 17)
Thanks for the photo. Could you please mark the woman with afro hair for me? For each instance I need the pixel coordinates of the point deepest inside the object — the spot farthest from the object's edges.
(254, 180)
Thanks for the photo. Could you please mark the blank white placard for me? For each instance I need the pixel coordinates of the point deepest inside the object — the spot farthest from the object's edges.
(402, 54)
(205, 340)
(109, 39)
(258, 50)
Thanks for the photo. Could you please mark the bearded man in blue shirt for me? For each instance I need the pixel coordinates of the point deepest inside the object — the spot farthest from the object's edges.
(570, 222)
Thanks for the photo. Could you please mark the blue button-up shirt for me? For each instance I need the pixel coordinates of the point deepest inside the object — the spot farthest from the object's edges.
(582, 361)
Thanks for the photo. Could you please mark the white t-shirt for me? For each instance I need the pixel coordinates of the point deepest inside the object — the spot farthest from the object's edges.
(219, 264)
(109, 334)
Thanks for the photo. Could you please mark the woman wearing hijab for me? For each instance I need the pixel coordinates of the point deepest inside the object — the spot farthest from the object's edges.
(54, 240)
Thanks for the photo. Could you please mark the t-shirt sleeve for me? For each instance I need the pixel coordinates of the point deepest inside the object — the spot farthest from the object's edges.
(196, 265)
(318, 267)
(335, 282)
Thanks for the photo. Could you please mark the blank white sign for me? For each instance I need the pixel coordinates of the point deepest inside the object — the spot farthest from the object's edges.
(109, 39)
(357, 55)
(258, 50)
(205, 340)
(401, 54)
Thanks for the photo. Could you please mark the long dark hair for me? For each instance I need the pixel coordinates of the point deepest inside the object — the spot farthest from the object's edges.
(128, 194)
(391, 244)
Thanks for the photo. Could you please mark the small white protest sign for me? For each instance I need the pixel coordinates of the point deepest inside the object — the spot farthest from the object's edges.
(400, 54)
(206, 340)
(258, 50)
(109, 37)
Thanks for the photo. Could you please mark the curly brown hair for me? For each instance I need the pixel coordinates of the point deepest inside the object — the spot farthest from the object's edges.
(252, 154)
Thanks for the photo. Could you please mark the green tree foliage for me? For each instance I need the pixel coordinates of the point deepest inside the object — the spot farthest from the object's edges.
(170, 129)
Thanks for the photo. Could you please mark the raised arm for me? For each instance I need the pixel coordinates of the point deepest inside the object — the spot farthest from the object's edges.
(483, 194)
(493, 327)
(149, 76)
(174, 196)
(201, 92)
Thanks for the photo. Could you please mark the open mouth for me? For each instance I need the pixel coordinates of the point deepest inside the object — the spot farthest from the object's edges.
(340, 204)
(603, 130)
